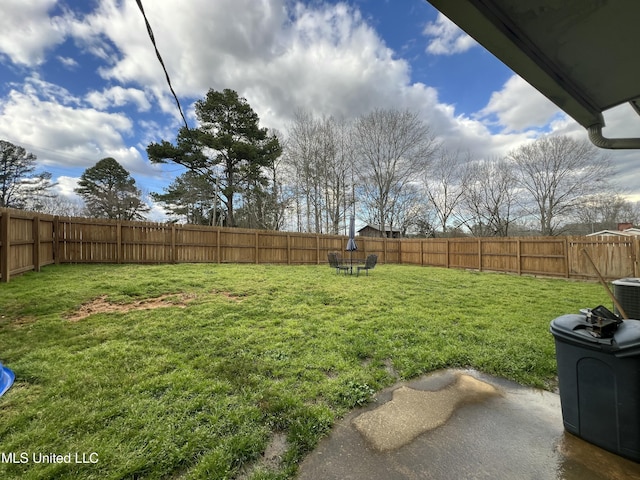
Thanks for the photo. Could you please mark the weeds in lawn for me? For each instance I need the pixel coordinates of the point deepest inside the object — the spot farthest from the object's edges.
(240, 355)
(356, 394)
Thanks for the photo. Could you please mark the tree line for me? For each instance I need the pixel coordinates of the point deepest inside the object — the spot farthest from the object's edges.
(390, 170)
(387, 168)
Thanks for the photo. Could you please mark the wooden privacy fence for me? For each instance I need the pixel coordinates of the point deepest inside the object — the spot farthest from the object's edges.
(29, 241)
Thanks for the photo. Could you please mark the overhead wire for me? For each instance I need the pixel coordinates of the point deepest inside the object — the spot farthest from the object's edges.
(153, 41)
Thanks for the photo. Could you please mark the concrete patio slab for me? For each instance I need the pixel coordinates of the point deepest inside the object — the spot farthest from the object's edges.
(460, 424)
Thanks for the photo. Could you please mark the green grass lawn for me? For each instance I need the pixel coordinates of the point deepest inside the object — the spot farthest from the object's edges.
(240, 355)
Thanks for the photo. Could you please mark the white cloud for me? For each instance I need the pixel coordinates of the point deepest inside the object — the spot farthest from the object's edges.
(65, 186)
(157, 212)
(281, 56)
(68, 62)
(36, 87)
(621, 122)
(325, 58)
(61, 131)
(523, 113)
(446, 38)
(518, 107)
(28, 31)
(118, 97)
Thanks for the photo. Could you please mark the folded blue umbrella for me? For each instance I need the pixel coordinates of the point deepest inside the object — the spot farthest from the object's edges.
(6, 378)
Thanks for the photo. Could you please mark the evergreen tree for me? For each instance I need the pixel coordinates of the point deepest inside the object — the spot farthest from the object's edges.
(228, 147)
(110, 192)
(192, 197)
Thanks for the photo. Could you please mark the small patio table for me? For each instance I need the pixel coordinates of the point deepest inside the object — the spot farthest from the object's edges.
(349, 263)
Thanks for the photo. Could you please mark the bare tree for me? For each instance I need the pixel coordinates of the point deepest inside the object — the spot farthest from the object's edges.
(394, 148)
(444, 184)
(556, 172)
(605, 210)
(56, 204)
(319, 157)
(298, 153)
(18, 181)
(409, 210)
(489, 196)
(301, 153)
(265, 204)
(337, 167)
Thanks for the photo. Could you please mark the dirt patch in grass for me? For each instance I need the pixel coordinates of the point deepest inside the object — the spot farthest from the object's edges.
(390, 369)
(228, 295)
(275, 451)
(102, 305)
(17, 322)
(271, 459)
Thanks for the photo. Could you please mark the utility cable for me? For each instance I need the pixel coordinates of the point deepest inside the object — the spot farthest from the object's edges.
(153, 41)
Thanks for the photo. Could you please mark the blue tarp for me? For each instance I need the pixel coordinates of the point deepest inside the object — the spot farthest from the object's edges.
(6, 379)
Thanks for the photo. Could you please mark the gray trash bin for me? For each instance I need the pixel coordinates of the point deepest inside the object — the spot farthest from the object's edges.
(599, 381)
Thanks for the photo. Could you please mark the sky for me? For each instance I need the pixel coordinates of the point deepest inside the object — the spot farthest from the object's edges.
(80, 81)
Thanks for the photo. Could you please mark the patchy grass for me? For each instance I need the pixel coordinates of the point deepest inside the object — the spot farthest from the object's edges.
(236, 371)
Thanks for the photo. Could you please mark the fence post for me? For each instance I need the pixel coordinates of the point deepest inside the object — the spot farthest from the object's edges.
(36, 243)
(218, 245)
(566, 257)
(4, 240)
(384, 246)
(118, 241)
(519, 254)
(56, 241)
(635, 252)
(257, 247)
(173, 243)
(447, 253)
(479, 254)
(288, 249)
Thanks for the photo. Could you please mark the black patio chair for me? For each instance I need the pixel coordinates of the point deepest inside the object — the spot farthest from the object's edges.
(335, 262)
(369, 264)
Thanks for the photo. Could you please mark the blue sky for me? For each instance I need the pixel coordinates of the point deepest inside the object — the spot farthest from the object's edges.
(79, 80)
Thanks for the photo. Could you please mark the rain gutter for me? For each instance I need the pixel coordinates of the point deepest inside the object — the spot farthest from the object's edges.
(596, 137)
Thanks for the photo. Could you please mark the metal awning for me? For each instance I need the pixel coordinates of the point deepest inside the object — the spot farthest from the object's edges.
(581, 54)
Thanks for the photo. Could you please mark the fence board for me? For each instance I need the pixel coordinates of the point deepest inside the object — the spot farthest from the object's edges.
(499, 255)
(26, 242)
(463, 253)
(4, 246)
(386, 248)
(412, 251)
(615, 257)
(543, 256)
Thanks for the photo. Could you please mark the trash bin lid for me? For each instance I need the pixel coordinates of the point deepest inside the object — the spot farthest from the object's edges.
(572, 329)
(627, 337)
(628, 282)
